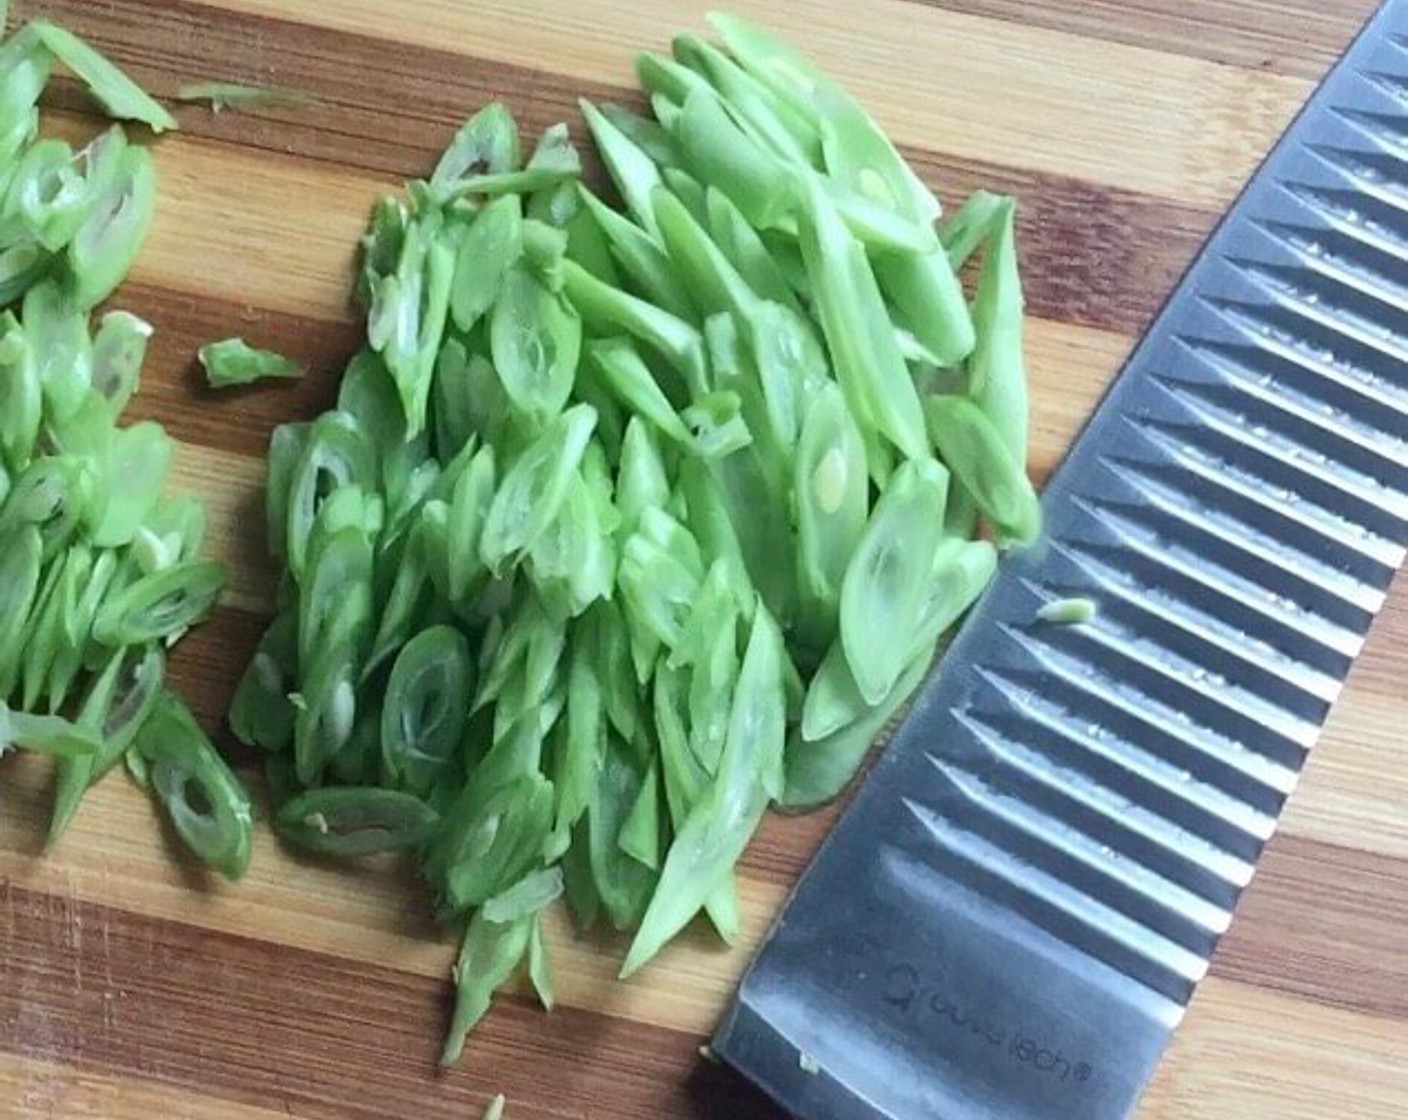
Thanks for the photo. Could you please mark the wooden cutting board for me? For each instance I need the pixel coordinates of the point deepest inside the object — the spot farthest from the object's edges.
(132, 985)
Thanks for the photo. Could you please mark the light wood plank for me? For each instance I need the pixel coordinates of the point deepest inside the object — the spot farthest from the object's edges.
(1250, 1054)
(40, 1090)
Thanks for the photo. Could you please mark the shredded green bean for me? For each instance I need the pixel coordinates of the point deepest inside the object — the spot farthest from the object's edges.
(631, 521)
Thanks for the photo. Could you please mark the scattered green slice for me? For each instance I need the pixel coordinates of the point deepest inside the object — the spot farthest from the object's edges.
(234, 362)
(422, 717)
(106, 244)
(237, 95)
(1068, 611)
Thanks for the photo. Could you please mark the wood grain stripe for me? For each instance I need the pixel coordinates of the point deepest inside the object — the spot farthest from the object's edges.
(1301, 38)
(1326, 923)
(44, 1090)
(932, 77)
(1093, 254)
(1249, 1054)
(109, 992)
(376, 914)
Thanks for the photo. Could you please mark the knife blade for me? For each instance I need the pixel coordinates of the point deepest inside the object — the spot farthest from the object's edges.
(1011, 917)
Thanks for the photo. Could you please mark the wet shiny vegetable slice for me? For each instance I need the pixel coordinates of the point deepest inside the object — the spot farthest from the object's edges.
(488, 956)
(116, 92)
(886, 582)
(205, 801)
(714, 834)
(490, 247)
(973, 447)
(355, 821)
(423, 712)
(536, 486)
(536, 339)
(106, 244)
(869, 366)
(159, 605)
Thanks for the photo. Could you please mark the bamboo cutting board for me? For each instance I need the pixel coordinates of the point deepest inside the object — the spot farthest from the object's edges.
(132, 986)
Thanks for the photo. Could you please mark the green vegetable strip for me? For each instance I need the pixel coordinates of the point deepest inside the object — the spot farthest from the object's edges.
(535, 339)
(1068, 611)
(706, 272)
(160, 605)
(624, 371)
(868, 364)
(964, 232)
(119, 349)
(642, 259)
(607, 311)
(818, 771)
(235, 95)
(831, 488)
(769, 119)
(929, 301)
(645, 134)
(746, 251)
(723, 156)
(116, 92)
(886, 582)
(117, 705)
(422, 718)
(633, 172)
(488, 956)
(19, 583)
(47, 734)
(534, 489)
(750, 773)
(106, 244)
(972, 445)
(996, 373)
(487, 144)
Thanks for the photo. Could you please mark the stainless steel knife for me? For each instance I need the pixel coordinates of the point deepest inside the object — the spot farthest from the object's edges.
(1011, 917)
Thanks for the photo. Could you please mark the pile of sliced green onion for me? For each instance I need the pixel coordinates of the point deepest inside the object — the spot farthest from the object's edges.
(99, 573)
(629, 524)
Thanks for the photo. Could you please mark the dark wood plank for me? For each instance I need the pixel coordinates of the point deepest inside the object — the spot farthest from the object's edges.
(102, 990)
(240, 420)
(1325, 922)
